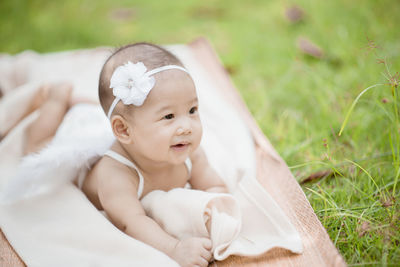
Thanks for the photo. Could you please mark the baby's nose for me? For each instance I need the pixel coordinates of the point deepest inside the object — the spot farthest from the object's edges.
(185, 127)
(183, 130)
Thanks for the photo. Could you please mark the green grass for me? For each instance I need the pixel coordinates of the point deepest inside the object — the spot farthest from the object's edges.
(299, 102)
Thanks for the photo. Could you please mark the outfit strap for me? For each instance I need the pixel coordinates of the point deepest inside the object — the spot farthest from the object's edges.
(81, 178)
(188, 164)
(128, 163)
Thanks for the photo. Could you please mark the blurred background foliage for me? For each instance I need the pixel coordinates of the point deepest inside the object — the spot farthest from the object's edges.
(298, 64)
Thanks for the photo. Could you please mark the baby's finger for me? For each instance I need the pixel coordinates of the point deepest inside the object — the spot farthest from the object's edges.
(202, 262)
(206, 254)
(207, 244)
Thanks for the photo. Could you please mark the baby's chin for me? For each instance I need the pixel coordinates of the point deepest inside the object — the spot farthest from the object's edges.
(178, 161)
(180, 153)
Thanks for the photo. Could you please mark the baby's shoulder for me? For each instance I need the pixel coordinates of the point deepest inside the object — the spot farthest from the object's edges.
(198, 156)
(108, 170)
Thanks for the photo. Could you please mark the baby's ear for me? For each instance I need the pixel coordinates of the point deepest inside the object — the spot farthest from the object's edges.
(121, 129)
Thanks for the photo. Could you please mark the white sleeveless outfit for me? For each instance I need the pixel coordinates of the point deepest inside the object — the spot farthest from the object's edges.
(127, 162)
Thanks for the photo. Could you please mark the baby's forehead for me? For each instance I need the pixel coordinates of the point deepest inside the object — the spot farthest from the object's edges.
(172, 75)
(174, 79)
(173, 89)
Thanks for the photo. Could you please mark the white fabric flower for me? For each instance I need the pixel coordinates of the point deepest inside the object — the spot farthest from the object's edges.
(131, 83)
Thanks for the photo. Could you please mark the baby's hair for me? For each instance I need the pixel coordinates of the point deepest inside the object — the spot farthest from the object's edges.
(152, 56)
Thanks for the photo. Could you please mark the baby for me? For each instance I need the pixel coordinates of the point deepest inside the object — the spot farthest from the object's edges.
(151, 102)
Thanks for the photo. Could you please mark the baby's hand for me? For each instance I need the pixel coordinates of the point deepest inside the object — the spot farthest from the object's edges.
(195, 251)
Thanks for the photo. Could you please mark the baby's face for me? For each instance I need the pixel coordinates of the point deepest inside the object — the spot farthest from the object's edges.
(167, 127)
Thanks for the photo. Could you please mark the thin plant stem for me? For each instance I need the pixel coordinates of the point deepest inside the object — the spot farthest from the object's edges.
(367, 173)
(395, 181)
(353, 105)
(397, 141)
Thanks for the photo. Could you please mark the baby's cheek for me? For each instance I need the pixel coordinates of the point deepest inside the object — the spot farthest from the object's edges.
(198, 133)
(199, 129)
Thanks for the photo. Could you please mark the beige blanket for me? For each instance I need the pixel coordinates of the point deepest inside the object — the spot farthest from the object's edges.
(54, 224)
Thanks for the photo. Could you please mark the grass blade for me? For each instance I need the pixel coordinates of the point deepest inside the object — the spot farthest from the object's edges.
(353, 105)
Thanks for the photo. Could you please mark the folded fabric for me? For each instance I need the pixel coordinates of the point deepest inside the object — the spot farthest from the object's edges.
(187, 213)
(247, 223)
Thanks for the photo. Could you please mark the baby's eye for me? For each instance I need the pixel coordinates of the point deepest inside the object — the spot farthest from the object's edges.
(193, 110)
(169, 116)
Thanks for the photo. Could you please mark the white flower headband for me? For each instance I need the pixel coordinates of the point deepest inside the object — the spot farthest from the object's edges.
(132, 83)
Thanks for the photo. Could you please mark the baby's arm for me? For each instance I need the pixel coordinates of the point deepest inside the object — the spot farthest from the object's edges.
(118, 196)
(204, 177)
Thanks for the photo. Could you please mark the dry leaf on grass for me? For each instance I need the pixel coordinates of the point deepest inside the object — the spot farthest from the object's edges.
(122, 14)
(294, 14)
(387, 202)
(309, 48)
(365, 228)
(316, 176)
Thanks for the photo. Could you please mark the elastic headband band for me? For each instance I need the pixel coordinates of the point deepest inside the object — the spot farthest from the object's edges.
(132, 83)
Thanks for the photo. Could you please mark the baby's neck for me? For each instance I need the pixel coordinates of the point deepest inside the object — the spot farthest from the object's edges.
(145, 165)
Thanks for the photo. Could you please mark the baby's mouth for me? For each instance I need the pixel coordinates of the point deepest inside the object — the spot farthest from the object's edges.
(180, 146)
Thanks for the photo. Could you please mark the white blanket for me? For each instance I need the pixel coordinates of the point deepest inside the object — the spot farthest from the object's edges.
(51, 223)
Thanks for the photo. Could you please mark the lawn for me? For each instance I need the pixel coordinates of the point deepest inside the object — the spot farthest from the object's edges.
(300, 101)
